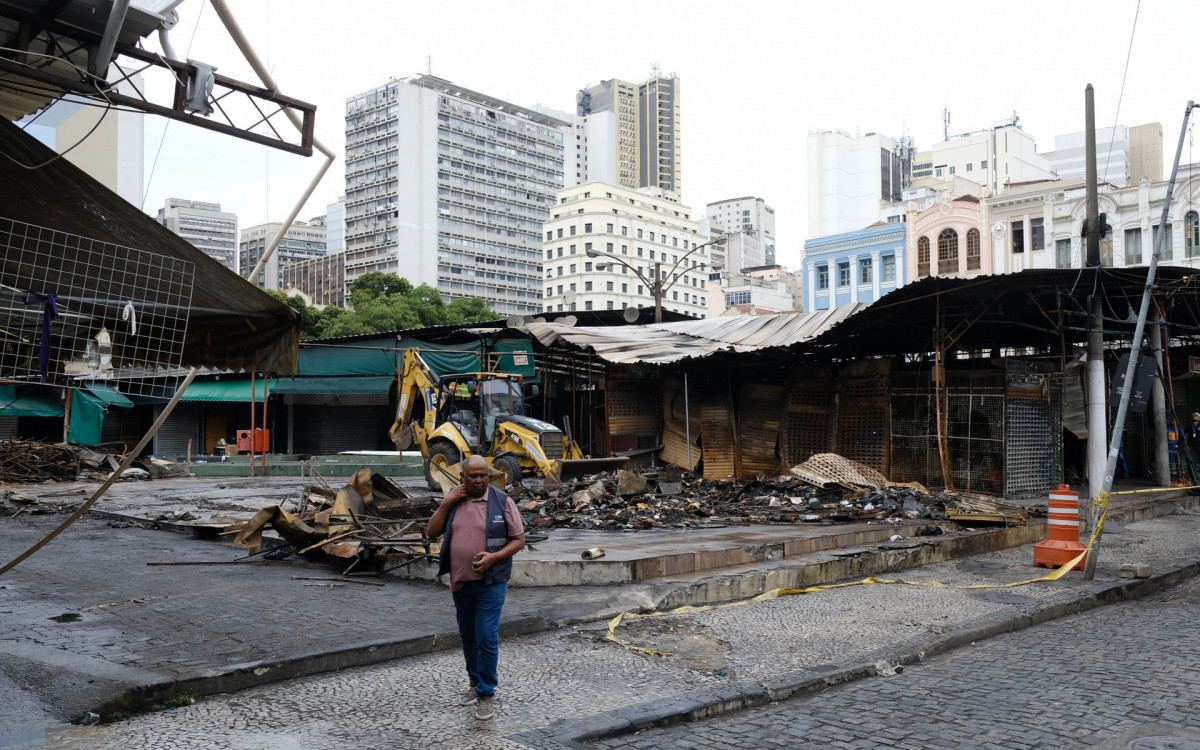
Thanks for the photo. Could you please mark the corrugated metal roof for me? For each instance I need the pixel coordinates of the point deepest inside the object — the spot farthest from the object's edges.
(661, 343)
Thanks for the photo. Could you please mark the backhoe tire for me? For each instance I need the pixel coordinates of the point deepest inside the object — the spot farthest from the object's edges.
(444, 453)
(511, 467)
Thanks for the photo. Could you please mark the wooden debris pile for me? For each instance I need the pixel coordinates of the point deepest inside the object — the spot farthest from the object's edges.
(29, 461)
(825, 489)
(369, 524)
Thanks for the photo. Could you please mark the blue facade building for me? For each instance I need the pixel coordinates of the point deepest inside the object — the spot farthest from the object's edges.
(858, 266)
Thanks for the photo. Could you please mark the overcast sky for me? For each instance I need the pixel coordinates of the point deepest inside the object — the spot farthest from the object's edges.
(756, 77)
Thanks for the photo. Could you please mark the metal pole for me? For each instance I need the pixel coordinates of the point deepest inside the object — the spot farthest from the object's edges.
(1158, 400)
(1097, 417)
(687, 421)
(252, 423)
(1139, 330)
(129, 458)
(658, 292)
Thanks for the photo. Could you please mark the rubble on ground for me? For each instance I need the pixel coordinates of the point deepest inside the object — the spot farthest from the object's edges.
(370, 524)
(825, 489)
(33, 461)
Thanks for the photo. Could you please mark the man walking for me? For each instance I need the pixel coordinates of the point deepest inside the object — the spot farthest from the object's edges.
(1192, 435)
(483, 531)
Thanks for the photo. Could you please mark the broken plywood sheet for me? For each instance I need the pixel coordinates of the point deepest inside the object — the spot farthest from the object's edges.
(719, 438)
(675, 447)
(759, 427)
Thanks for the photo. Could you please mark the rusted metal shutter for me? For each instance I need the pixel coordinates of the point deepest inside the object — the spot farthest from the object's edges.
(758, 427)
(808, 415)
(675, 449)
(863, 423)
(720, 438)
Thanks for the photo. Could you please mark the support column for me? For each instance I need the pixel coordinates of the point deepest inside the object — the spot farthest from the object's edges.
(854, 271)
(810, 286)
(876, 274)
(1158, 402)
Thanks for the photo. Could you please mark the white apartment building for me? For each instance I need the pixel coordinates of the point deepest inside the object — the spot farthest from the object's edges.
(335, 226)
(996, 158)
(302, 241)
(753, 219)
(854, 182)
(632, 232)
(204, 225)
(449, 187)
(1123, 155)
(757, 290)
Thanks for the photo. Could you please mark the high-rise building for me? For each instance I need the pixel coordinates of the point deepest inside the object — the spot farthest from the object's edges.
(1123, 155)
(334, 222)
(322, 280)
(753, 219)
(449, 187)
(630, 234)
(632, 133)
(854, 182)
(302, 241)
(994, 158)
(204, 225)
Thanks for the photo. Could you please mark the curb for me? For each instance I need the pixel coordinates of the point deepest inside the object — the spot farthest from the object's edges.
(685, 706)
(700, 704)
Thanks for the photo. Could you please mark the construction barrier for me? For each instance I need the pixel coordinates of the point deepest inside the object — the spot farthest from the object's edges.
(1062, 531)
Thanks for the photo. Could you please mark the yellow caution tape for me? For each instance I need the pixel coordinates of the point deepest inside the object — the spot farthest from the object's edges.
(1100, 502)
(1156, 489)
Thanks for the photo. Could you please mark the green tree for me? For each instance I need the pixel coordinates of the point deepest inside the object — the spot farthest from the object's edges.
(309, 316)
(378, 284)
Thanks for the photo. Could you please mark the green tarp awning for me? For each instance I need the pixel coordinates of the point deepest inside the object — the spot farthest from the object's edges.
(31, 401)
(108, 395)
(358, 358)
(445, 359)
(516, 357)
(226, 390)
(87, 418)
(373, 385)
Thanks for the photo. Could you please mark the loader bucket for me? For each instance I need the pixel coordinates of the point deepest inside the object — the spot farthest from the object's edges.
(574, 468)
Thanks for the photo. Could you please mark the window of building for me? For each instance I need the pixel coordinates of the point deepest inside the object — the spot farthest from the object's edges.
(675, 296)
(972, 249)
(652, 236)
(585, 195)
(550, 254)
(560, 288)
(948, 251)
(1167, 242)
(865, 271)
(587, 246)
(1038, 234)
(1106, 250)
(1018, 236)
(983, 164)
(572, 268)
(822, 276)
(1191, 234)
(1133, 246)
(639, 289)
(587, 286)
(560, 232)
(843, 268)
(639, 234)
(587, 305)
(923, 256)
(571, 287)
(624, 288)
(587, 266)
(610, 229)
(889, 269)
(970, 164)
(938, 171)
(610, 286)
(610, 305)
(624, 231)
(639, 252)
(550, 234)
(572, 229)
(560, 270)
(1062, 254)
(587, 228)
(952, 169)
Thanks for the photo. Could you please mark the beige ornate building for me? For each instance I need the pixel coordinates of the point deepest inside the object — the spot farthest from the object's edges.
(950, 238)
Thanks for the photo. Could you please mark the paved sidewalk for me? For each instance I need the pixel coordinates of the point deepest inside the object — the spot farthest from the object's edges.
(562, 687)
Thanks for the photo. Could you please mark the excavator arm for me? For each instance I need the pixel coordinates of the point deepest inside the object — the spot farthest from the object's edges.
(417, 381)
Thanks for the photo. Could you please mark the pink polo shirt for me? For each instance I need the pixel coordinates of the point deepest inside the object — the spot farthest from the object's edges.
(469, 536)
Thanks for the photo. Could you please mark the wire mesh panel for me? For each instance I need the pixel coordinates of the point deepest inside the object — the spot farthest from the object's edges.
(74, 310)
(758, 427)
(975, 424)
(807, 424)
(1033, 431)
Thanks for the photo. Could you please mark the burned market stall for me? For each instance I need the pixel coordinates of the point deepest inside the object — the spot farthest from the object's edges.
(971, 384)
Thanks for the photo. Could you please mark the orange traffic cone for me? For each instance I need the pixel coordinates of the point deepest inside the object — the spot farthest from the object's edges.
(1062, 531)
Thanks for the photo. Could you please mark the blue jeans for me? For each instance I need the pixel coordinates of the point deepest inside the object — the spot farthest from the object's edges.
(478, 607)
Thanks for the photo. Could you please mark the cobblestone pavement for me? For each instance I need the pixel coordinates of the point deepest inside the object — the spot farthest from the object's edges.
(1123, 674)
(559, 677)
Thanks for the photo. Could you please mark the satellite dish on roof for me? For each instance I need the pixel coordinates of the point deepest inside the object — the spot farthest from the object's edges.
(630, 314)
(539, 320)
(530, 319)
(570, 321)
(570, 296)
(515, 321)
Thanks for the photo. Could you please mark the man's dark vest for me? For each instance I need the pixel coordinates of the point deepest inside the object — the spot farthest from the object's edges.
(497, 537)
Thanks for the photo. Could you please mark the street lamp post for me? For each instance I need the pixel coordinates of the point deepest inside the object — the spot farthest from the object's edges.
(658, 287)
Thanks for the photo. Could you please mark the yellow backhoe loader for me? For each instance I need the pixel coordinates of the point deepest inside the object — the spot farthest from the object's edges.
(482, 413)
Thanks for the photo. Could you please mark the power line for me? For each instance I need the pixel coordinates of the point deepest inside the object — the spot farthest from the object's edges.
(1121, 95)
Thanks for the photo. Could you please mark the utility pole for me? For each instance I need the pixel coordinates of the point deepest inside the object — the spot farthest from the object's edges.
(658, 291)
(1135, 346)
(1096, 417)
(1158, 402)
